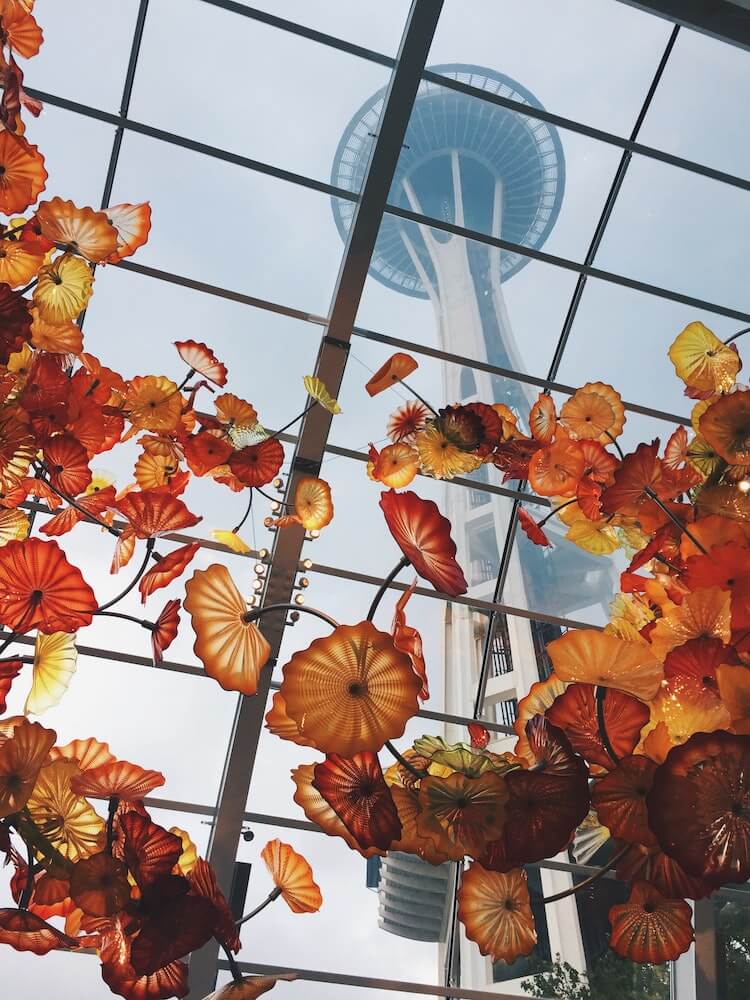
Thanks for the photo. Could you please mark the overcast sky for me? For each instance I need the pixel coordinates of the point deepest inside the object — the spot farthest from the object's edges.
(228, 81)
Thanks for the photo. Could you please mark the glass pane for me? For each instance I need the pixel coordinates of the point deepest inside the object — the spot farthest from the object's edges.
(345, 935)
(291, 119)
(680, 231)
(76, 154)
(374, 24)
(125, 705)
(702, 95)
(732, 921)
(472, 313)
(281, 243)
(603, 41)
(564, 580)
(86, 50)
(494, 171)
(616, 329)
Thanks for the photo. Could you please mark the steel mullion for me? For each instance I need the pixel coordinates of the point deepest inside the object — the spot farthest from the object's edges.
(311, 34)
(171, 138)
(566, 264)
(310, 449)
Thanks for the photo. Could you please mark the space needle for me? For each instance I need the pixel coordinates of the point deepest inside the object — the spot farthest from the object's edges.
(483, 167)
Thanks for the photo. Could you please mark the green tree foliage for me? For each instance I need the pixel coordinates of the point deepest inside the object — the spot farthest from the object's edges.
(609, 978)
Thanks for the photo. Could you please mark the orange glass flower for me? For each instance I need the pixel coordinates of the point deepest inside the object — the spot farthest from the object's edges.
(39, 588)
(153, 403)
(531, 529)
(462, 814)
(699, 805)
(99, 885)
(356, 791)
(81, 230)
(554, 470)
(117, 777)
(726, 427)
(650, 928)
(25, 931)
(399, 366)
(319, 811)
(292, 874)
(22, 173)
(67, 463)
(149, 850)
(205, 450)
(167, 569)
(407, 640)
(594, 413)
(19, 261)
(350, 691)
(395, 466)
(202, 360)
(543, 419)
(257, 464)
(153, 513)
(423, 535)
(575, 712)
(495, 910)
(591, 657)
(282, 725)
(312, 503)
(620, 800)
(21, 758)
(132, 224)
(703, 613)
(232, 650)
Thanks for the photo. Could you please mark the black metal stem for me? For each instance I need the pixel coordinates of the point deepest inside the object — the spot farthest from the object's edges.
(740, 333)
(282, 503)
(25, 899)
(601, 695)
(540, 524)
(291, 423)
(674, 518)
(401, 564)
(405, 763)
(128, 618)
(11, 638)
(420, 398)
(112, 809)
(81, 510)
(250, 616)
(273, 894)
(141, 570)
(614, 442)
(245, 515)
(233, 967)
(612, 863)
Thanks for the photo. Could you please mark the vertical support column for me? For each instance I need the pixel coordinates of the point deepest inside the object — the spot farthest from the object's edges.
(329, 366)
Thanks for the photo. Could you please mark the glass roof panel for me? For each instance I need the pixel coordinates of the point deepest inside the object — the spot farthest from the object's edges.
(616, 328)
(680, 231)
(313, 89)
(266, 252)
(76, 154)
(511, 325)
(702, 98)
(562, 52)
(374, 24)
(86, 50)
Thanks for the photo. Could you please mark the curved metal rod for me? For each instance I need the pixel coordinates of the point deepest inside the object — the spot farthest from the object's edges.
(745, 329)
(612, 863)
(405, 763)
(124, 593)
(401, 564)
(273, 894)
(250, 616)
(674, 518)
(601, 694)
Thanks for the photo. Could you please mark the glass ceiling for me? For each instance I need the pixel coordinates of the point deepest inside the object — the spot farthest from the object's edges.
(228, 117)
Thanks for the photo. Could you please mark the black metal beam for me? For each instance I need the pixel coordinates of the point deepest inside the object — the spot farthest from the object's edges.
(720, 19)
(311, 444)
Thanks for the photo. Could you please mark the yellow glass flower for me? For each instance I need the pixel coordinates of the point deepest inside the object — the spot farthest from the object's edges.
(317, 390)
(594, 413)
(63, 289)
(14, 526)
(589, 657)
(19, 261)
(232, 541)
(702, 361)
(66, 819)
(704, 612)
(55, 657)
(441, 458)
(187, 860)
